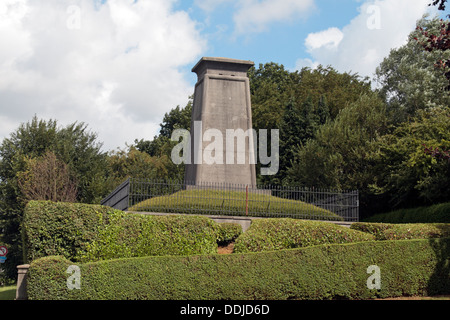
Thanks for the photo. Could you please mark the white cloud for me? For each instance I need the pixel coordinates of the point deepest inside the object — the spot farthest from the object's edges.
(329, 39)
(116, 68)
(305, 63)
(255, 16)
(210, 5)
(362, 45)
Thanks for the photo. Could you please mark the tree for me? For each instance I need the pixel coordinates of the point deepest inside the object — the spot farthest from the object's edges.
(339, 90)
(133, 163)
(413, 168)
(47, 178)
(438, 41)
(161, 146)
(74, 145)
(408, 79)
(341, 154)
(298, 125)
(271, 88)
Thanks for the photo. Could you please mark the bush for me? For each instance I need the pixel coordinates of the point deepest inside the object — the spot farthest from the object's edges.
(408, 268)
(228, 232)
(386, 231)
(136, 235)
(81, 232)
(438, 213)
(213, 201)
(60, 228)
(276, 234)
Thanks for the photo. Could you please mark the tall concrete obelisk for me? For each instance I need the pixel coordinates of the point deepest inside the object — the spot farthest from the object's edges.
(221, 103)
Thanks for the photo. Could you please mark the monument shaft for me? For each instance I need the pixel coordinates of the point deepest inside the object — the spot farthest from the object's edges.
(222, 102)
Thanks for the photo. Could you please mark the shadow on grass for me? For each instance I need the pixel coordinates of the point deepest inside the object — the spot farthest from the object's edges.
(8, 293)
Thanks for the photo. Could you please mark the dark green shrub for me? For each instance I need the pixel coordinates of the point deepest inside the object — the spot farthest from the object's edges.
(438, 213)
(228, 232)
(136, 235)
(387, 231)
(276, 234)
(59, 228)
(408, 268)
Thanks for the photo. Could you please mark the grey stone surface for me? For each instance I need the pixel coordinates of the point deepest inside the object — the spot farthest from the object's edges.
(21, 291)
(221, 101)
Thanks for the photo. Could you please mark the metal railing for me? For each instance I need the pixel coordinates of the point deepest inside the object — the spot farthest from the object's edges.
(234, 200)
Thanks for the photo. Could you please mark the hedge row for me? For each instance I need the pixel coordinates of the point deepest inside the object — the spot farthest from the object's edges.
(277, 234)
(387, 231)
(407, 268)
(135, 235)
(438, 213)
(81, 232)
(57, 228)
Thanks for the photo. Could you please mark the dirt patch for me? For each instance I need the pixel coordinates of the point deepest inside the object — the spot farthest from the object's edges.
(225, 248)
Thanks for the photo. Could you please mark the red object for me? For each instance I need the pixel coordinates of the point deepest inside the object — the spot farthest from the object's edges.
(3, 251)
(246, 200)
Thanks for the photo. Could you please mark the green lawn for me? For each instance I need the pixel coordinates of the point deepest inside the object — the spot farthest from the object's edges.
(232, 203)
(8, 293)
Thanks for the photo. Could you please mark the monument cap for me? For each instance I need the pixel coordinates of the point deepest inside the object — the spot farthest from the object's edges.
(216, 65)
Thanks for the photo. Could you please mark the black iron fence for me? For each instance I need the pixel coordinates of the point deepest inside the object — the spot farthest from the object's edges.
(234, 200)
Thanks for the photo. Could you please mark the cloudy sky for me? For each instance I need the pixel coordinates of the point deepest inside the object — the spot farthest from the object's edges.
(120, 65)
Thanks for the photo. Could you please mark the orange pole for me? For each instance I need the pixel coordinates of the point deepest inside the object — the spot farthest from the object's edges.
(246, 200)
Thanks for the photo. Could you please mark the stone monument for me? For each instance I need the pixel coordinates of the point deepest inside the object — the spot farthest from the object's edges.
(222, 105)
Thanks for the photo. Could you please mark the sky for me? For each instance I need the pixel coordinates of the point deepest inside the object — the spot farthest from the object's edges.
(119, 65)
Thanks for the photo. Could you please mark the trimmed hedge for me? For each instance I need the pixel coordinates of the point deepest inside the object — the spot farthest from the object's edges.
(233, 202)
(407, 268)
(228, 232)
(82, 232)
(60, 228)
(387, 231)
(438, 213)
(277, 234)
(136, 235)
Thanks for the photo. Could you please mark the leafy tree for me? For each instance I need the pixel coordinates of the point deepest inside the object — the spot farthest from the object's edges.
(299, 124)
(412, 163)
(438, 41)
(326, 84)
(409, 81)
(271, 88)
(341, 154)
(73, 145)
(161, 146)
(177, 118)
(133, 163)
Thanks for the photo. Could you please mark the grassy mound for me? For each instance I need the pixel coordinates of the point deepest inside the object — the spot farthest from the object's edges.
(233, 203)
(277, 234)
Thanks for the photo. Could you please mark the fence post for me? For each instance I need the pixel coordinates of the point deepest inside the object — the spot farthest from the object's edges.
(21, 291)
(246, 200)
